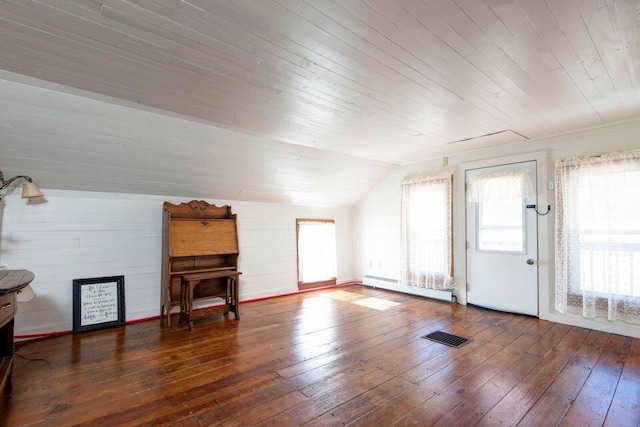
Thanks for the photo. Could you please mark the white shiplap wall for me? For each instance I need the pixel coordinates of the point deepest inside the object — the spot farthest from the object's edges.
(77, 234)
(378, 253)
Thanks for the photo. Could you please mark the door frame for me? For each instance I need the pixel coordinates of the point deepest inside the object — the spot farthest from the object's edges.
(528, 288)
(545, 239)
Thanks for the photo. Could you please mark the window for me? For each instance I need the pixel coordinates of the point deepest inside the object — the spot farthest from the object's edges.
(500, 210)
(598, 236)
(426, 233)
(501, 226)
(317, 264)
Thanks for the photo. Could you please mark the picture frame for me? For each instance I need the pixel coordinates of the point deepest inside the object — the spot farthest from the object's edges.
(98, 303)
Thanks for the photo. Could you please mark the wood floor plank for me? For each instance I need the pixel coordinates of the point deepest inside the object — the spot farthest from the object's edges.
(260, 405)
(532, 335)
(549, 340)
(441, 357)
(469, 411)
(447, 398)
(169, 405)
(555, 402)
(592, 403)
(625, 407)
(515, 405)
(443, 373)
(253, 415)
(318, 358)
(471, 377)
(321, 403)
(395, 408)
(360, 405)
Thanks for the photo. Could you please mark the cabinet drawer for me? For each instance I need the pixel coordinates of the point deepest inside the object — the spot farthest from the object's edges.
(7, 307)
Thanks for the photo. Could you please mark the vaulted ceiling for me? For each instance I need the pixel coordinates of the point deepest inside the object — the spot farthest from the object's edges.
(308, 102)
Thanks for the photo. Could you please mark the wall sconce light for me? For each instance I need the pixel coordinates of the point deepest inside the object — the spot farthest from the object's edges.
(29, 189)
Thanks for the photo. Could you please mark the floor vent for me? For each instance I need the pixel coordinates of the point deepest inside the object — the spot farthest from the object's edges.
(447, 339)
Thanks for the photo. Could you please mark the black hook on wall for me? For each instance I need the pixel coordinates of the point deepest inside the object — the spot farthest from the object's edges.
(536, 210)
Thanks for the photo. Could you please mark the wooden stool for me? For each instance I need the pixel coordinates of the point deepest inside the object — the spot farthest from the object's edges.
(192, 280)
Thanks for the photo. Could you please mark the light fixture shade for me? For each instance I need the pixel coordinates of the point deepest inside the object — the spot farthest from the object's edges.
(25, 294)
(29, 190)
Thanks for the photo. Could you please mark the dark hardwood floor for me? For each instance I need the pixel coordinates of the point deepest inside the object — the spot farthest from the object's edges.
(327, 358)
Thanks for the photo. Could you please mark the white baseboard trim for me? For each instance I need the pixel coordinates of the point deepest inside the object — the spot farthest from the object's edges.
(392, 285)
(603, 326)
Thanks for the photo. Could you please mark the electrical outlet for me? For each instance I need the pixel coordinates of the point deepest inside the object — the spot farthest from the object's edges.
(379, 264)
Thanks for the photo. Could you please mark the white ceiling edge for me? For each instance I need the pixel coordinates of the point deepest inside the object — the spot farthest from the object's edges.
(14, 197)
(529, 141)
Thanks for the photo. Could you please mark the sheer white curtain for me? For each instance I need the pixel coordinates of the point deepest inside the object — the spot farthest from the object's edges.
(500, 186)
(426, 232)
(598, 236)
(317, 259)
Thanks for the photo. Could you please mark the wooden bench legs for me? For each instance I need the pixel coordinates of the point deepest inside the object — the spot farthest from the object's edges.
(191, 281)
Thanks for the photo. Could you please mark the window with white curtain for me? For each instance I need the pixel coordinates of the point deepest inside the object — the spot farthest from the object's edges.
(317, 261)
(500, 210)
(598, 236)
(426, 232)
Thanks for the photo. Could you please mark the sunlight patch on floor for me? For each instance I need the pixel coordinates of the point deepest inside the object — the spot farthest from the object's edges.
(344, 295)
(376, 303)
(361, 300)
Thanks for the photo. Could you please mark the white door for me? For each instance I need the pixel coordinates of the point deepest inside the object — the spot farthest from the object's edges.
(502, 244)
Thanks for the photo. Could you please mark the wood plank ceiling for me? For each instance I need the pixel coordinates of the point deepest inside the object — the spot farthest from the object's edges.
(341, 90)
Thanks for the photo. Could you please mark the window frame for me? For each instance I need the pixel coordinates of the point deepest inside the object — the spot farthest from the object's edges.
(569, 237)
(332, 281)
(427, 279)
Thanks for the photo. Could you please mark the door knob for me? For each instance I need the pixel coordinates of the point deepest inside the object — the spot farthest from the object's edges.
(530, 261)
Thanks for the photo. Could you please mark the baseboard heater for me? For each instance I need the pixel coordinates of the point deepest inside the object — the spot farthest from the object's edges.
(393, 285)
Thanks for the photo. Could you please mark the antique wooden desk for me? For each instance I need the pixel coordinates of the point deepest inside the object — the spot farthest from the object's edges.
(199, 257)
(11, 282)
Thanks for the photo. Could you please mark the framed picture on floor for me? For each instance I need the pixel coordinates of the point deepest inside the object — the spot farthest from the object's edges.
(98, 303)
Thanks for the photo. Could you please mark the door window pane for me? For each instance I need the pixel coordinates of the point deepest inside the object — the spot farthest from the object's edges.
(501, 226)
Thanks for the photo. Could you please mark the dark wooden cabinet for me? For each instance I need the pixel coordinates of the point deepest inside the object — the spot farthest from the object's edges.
(11, 282)
(199, 238)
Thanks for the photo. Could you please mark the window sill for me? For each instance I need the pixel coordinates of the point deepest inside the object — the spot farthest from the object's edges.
(311, 285)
